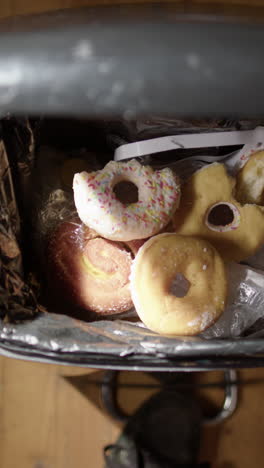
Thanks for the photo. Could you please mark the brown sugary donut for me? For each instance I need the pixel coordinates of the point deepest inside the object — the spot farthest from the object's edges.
(178, 284)
(88, 270)
(209, 210)
(250, 180)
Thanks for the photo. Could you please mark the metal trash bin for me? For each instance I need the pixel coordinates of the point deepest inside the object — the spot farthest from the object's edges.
(108, 62)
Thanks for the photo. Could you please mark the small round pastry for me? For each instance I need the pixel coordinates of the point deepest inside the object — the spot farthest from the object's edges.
(89, 271)
(250, 180)
(178, 284)
(209, 210)
(100, 209)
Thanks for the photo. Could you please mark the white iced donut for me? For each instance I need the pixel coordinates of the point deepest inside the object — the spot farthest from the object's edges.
(99, 208)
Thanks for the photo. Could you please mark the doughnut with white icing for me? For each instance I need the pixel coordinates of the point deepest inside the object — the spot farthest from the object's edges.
(99, 208)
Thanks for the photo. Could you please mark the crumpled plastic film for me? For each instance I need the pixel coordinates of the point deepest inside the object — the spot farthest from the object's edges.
(129, 129)
(245, 303)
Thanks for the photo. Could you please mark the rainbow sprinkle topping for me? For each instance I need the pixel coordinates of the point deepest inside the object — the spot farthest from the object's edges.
(98, 207)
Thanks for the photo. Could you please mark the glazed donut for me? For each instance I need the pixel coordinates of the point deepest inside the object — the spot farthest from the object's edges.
(99, 208)
(209, 210)
(88, 271)
(250, 180)
(178, 284)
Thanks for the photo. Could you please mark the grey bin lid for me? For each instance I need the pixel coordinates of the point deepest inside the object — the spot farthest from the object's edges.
(136, 60)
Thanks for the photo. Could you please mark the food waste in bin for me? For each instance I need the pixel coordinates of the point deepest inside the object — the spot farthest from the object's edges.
(133, 255)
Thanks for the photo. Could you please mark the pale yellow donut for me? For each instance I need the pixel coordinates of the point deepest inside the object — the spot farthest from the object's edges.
(250, 180)
(158, 263)
(203, 192)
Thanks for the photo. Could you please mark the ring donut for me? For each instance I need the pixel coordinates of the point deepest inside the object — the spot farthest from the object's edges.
(250, 180)
(166, 265)
(209, 210)
(99, 208)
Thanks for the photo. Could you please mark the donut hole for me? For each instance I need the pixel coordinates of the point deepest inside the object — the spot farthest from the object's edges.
(221, 215)
(179, 286)
(126, 192)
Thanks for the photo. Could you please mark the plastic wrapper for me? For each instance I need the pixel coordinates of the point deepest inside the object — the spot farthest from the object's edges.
(130, 129)
(46, 199)
(245, 303)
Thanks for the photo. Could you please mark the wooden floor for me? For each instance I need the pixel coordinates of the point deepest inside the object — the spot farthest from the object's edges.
(49, 421)
(16, 7)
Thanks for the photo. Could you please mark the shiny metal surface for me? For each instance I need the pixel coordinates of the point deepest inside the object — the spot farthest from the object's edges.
(112, 61)
(109, 397)
(230, 401)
